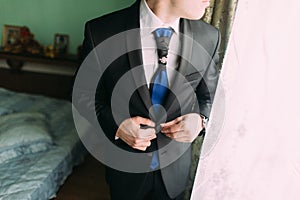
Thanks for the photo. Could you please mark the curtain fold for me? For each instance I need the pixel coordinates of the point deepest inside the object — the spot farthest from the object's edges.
(220, 14)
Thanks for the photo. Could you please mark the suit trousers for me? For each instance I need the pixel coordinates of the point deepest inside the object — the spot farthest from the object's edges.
(139, 186)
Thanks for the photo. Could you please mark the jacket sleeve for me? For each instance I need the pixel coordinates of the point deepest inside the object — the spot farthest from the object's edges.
(86, 100)
(82, 97)
(206, 89)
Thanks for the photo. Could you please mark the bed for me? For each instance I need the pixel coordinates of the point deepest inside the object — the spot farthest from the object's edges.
(39, 145)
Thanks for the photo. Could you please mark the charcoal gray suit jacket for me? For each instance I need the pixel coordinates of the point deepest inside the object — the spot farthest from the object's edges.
(197, 64)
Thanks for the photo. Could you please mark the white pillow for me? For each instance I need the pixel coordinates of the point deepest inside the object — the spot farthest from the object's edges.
(5, 111)
(23, 133)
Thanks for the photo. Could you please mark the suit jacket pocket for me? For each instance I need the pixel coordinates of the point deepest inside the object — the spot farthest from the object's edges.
(195, 76)
(193, 79)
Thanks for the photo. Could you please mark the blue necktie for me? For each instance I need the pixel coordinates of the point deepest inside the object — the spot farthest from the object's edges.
(160, 79)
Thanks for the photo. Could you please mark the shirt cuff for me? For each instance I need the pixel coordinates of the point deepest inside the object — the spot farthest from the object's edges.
(204, 124)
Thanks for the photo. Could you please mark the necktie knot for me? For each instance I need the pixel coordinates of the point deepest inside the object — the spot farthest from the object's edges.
(162, 38)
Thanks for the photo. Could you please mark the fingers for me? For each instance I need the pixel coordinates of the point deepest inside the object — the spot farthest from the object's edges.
(180, 136)
(144, 133)
(144, 121)
(148, 133)
(140, 144)
(172, 129)
(183, 129)
(136, 137)
(171, 123)
(175, 132)
(141, 140)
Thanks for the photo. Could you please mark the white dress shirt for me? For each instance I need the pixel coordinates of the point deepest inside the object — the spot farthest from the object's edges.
(149, 22)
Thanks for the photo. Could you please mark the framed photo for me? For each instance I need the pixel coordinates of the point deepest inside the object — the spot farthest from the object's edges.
(61, 43)
(11, 35)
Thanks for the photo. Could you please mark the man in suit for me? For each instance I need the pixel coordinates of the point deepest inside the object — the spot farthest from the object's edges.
(190, 74)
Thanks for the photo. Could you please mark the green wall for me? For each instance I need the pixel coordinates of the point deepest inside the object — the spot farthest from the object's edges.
(47, 17)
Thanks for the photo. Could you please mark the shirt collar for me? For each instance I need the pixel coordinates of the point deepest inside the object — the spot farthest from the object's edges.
(149, 21)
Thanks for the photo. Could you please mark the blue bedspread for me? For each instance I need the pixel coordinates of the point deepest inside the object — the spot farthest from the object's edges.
(39, 175)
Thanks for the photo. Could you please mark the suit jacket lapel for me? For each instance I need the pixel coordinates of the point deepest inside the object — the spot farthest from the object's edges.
(135, 54)
(186, 38)
(187, 46)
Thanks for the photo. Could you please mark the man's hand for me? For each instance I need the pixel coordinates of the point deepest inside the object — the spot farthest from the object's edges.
(183, 129)
(130, 132)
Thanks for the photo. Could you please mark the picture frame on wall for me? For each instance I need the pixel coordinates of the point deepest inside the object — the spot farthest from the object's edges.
(11, 35)
(61, 43)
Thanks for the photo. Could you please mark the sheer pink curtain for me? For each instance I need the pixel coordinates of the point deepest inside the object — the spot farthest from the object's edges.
(252, 147)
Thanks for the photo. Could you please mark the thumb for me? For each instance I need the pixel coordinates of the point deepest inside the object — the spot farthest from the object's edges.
(140, 120)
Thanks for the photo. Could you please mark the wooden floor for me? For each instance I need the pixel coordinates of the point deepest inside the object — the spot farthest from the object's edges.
(87, 182)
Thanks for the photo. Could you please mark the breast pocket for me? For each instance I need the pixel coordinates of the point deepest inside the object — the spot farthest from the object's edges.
(193, 79)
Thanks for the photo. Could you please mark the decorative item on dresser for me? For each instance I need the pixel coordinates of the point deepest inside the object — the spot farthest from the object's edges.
(17, 60)
(19, 39)
(11, 35)
(61, 44)
(19, 46)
